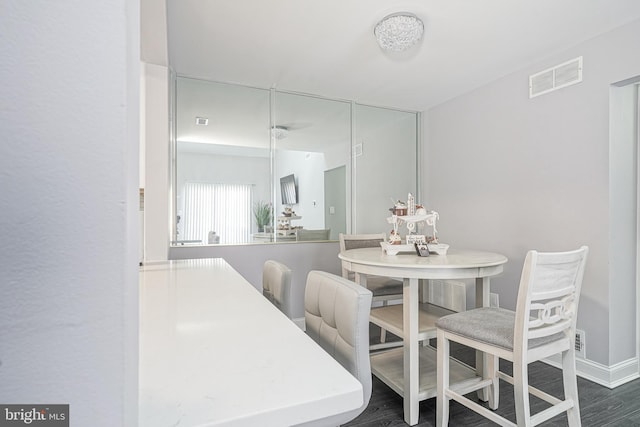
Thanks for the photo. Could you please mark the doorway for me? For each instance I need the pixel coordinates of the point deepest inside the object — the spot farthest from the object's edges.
(335, 201)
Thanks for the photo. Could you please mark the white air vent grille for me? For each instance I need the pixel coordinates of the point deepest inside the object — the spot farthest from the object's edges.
(563, 75)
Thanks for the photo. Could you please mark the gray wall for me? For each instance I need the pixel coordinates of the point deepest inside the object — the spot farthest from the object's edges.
(508, 174)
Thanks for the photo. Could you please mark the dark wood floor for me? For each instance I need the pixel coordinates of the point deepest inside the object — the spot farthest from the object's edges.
(599, 406)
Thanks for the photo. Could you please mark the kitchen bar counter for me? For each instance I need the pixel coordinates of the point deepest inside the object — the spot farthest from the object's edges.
(214, 351)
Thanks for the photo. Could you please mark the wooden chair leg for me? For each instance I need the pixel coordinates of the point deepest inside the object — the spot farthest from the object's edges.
(571, 386)
(442, 401)
(521, 392)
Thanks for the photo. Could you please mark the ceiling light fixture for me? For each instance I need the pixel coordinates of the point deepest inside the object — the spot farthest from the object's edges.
(279, 132)
(399, 31)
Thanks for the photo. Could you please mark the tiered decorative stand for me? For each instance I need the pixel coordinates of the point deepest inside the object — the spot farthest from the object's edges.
(411, 221)
(284, 225)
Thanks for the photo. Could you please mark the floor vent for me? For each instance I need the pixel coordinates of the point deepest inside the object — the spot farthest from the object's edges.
(563, 75)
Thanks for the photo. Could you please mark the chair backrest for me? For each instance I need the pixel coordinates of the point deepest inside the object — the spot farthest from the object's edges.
(548, 297)
(276, 285)
(357, 241)
(304, 234)
(336, 313)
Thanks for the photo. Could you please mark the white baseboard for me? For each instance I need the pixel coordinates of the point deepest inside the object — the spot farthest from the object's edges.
(607, 376)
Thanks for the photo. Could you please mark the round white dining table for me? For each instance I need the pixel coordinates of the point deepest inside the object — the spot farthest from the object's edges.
(456, 264)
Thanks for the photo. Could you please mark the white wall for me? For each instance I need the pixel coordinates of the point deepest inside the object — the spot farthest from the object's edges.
(308, 169)
(623, 166)
(69, 172)
(508, 173)
(157, 162)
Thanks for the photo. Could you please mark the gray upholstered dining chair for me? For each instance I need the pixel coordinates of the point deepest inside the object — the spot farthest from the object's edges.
(304, 234)
(543, 325)
(336, 313)
(276, 285)
(384, 289)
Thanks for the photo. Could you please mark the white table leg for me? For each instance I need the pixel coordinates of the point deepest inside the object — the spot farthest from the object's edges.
(423, 290)
(483, 290)
(361, 279)
(411, 348)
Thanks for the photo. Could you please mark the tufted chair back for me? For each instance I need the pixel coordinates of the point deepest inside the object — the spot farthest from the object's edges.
(337, 317)
(276, 285)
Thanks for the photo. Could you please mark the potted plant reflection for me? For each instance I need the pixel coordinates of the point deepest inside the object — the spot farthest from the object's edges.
(262, 211)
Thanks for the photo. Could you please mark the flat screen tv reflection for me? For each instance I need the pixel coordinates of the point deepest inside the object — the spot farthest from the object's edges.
(288, 190)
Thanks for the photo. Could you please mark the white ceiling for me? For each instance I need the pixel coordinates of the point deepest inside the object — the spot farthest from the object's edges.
(327, 47)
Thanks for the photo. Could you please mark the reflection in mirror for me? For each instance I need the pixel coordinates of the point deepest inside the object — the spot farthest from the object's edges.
(311, 158)
(235, 143)
(237, 147)
(223, 162)
(385, 164)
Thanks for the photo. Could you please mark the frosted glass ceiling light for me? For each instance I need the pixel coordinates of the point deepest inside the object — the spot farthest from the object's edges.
(399, 31)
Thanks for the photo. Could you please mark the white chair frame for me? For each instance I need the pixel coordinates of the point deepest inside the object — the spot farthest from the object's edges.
(543, 324)
(276, 285)
(372, 282)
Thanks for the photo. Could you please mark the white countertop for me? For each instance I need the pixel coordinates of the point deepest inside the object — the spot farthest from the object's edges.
(214, 351)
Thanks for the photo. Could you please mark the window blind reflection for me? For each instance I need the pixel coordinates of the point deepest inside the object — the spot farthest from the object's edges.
(223, 208)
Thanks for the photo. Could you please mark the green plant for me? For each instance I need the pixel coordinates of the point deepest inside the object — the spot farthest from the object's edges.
(262, 212)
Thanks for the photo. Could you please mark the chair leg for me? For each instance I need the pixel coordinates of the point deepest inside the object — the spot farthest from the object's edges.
(571, 386)
(442, 401)
(521, 391)
(492, 372)
(383, 332)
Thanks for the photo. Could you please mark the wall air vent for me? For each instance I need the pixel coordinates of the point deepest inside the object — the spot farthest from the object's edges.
(202, 121)
(565, 74)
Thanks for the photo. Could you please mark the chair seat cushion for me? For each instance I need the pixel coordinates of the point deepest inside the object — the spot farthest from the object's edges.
(489, 325)
(382, 286)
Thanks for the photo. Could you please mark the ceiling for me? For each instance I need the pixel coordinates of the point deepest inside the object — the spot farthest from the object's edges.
(327, 47)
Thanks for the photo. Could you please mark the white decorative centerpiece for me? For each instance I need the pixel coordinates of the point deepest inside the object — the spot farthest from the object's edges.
(411, 205)
(420, 216)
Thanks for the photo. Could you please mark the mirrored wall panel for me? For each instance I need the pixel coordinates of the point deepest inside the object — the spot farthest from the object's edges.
(257, 165)
(385, 164)
(223, 165)
(312, 142)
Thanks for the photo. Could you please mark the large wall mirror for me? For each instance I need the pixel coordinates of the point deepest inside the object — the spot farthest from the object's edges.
(257, 165)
